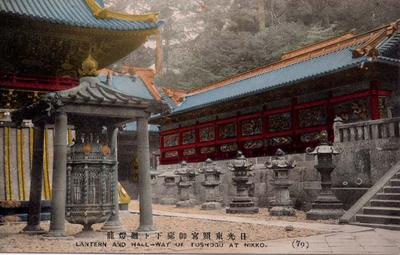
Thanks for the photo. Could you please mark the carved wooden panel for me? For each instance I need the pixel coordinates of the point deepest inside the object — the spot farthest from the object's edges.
(227, 130)
(206, 150)
(171, 140)
(279, 122)
(353, 111)
(229, 147)
(188, 137)
(275, 141)
(251, 127)
(207, 134)
(253, 144)
(311, 117)
(171, 154)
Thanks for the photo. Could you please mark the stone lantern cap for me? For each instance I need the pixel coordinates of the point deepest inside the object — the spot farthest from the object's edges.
(280, 161)
(185, 170)
(241, 162)
(210, 168)
(324, 148)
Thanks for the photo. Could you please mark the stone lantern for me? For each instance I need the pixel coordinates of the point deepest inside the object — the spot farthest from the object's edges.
(169, 182)
(187, 176)
(211, 184)
(90, 181)
(281, 205)
(326, 206)
(241, 169)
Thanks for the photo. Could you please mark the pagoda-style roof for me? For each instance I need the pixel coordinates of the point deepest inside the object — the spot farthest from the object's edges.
(313, 61)
(53, 37)
(92, 97)
(79, 13)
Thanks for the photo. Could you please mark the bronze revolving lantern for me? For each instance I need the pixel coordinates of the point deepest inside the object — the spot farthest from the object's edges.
(90, 182)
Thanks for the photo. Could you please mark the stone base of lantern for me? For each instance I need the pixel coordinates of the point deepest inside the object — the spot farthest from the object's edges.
(211, 206)
(282, 211)
(33, 230)
(168, 201)
(111, 226)
(186, 203)
(242, 205)
(55, 235)
(324, 208)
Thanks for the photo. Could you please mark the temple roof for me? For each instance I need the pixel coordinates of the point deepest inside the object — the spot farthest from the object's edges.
(93, 91)
(81, 13)
(330, 56)
(131, 85)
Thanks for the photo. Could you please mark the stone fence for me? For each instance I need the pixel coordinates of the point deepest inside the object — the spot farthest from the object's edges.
(366, 130)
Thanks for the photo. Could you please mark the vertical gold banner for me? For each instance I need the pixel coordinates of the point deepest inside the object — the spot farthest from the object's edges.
(46, 166)
(20, 164)
(7, 163)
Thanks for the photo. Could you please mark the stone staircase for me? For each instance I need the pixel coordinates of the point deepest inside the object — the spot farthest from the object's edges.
(379, 207)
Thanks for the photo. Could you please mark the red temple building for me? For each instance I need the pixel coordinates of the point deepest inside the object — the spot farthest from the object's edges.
(286, 104)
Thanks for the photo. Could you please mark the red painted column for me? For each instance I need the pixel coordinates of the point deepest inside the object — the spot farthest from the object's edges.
(295, 123)
(374, 101)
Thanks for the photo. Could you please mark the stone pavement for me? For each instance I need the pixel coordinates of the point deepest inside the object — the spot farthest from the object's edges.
(337, 239)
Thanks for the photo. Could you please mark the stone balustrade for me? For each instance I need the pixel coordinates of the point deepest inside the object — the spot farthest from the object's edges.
(366, 130)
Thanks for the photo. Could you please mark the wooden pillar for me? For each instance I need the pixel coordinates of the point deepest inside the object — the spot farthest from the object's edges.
(57, 222)
(113, 223)
(374, 101)
(145, 193)
(33, 225)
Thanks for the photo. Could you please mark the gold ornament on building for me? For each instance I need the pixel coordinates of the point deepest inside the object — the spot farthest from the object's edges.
(89, 67)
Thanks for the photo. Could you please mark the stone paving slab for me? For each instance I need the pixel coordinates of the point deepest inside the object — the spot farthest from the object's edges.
(338, 239)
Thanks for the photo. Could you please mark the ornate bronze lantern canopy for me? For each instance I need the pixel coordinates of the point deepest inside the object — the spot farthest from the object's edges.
(90, 181)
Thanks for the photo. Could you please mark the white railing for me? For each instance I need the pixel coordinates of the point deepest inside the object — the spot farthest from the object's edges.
(366, 130)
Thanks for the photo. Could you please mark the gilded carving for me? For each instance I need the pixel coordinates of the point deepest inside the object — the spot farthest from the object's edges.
(207, 134)
(275, 141)
(311, 117)
(251, 127)
(207, 150)
(353, 111)
(229, 147)
(280, 121)
(189, 151)
(171, 154)
(227, 130)
(188, 137)
(171, 140)
(253, 144)
(310, 137)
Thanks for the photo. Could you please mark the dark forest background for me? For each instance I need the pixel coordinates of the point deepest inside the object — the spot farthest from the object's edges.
(208, 40)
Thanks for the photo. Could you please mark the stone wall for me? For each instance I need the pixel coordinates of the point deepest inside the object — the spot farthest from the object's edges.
(368, 148)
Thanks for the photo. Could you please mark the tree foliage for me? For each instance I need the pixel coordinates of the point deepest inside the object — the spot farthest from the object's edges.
(206, 40)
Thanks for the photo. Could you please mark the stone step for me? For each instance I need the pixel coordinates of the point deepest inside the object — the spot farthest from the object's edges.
(395, 182)
(389, 211)
(391, 189)
(377, 219)
(385, 203)
(374, 225)
(388, 196)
